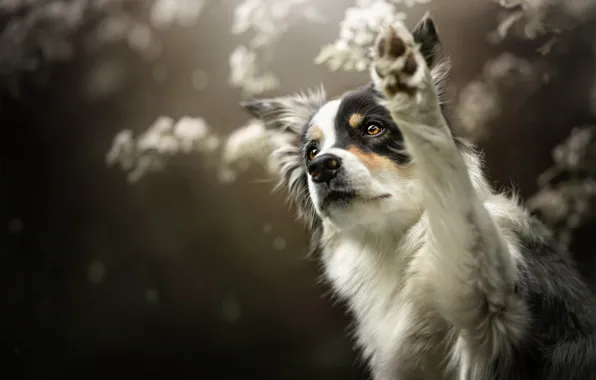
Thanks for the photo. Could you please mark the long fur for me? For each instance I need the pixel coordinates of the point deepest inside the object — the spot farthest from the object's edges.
(460, 282)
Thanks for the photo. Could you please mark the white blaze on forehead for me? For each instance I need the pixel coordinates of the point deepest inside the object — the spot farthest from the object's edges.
(324, 120)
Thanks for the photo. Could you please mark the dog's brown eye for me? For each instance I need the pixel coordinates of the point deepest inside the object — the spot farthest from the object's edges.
(373, 130)
(312, 152)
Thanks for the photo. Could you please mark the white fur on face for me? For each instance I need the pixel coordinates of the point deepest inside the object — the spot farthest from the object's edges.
(324, 120)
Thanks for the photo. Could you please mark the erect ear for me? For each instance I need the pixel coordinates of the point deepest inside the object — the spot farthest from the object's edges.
(425, 33)
(286, 113)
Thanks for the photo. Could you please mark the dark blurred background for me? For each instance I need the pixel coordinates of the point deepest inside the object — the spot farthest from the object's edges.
(178, 275)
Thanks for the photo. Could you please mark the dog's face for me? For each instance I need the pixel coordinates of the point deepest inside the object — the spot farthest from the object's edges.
(354, 160)
(346, 161)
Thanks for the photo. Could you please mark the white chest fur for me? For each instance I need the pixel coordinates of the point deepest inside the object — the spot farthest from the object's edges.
(368, 273)
(373, 273)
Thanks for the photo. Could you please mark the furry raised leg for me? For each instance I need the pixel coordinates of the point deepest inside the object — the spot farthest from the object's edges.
(474, 289)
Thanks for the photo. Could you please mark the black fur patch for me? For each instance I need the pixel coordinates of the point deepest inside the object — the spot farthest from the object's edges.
(364, 101)
(562, 340)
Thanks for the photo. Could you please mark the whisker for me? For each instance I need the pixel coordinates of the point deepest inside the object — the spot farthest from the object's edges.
(414, 202)
(262, 180)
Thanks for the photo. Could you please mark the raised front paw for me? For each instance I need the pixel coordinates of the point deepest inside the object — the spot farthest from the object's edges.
(398, 66)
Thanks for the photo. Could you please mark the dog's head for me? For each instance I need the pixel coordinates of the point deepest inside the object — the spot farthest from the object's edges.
(345, 161)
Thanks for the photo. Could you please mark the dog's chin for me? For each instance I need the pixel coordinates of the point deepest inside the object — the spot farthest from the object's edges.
(348, 207)
(345, 198)
(338, 199)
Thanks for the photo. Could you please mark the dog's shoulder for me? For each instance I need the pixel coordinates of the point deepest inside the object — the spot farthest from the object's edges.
(561, 343)
(550, 282)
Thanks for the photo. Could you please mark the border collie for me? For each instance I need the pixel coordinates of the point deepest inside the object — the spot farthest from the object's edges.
(445, 277)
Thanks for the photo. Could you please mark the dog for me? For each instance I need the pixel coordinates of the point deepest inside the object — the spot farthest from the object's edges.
(445, 277)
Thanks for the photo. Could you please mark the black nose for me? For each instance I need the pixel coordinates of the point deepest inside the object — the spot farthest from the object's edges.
(324, 167)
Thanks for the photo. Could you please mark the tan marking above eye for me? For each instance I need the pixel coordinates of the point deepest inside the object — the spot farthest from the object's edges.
(315, 133)
(355, 120)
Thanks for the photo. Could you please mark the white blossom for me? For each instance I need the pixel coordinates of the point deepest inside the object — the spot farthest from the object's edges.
(268, 21)
(534, 18)
(245, 72)
(189, 131)
(45, 31)
(164, 138)
(478, 105)
(505, 78)
(567, 195)
(246, 146)
(165, 13)
(357, 32)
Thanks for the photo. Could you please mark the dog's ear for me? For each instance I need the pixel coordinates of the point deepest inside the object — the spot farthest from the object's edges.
(425, 33)
(286, 117)
(287, 113)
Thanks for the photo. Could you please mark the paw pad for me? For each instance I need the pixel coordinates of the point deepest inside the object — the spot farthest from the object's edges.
(397, 47)
(390, 44)
(397, 61)
(411, 65)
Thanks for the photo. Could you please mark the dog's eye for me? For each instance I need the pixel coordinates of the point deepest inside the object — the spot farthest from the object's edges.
(311, 153)
(373, 130)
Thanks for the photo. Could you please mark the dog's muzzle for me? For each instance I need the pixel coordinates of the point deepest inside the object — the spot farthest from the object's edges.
(324, 168)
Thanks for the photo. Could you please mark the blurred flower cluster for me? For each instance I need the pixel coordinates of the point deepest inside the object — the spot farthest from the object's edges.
(267, 21)
(36, 31)
(247, 73)
(166, 13)
(357, 33)
(362, 23)
(505, 77)
(246, 146)
(567, 196)
(532, 19)
(165, 138)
